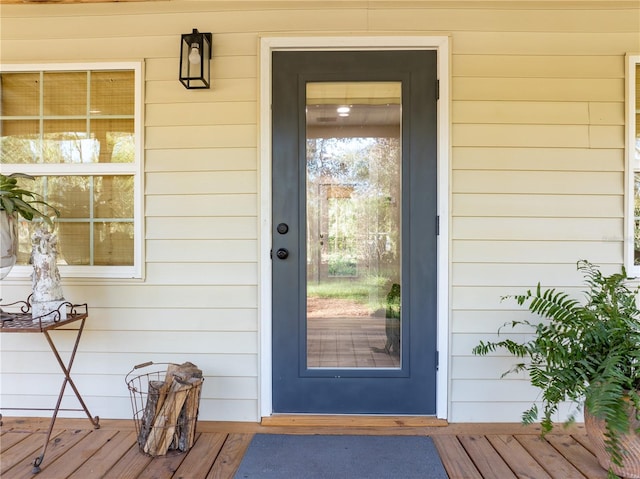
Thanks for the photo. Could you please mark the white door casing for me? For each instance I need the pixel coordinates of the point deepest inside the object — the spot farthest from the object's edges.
(267, 45)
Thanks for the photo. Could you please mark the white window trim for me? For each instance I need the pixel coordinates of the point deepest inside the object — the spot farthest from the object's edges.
(268, 44)
(136, 169)
(633, 270)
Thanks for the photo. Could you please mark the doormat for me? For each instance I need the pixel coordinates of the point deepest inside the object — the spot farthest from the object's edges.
(272, 456)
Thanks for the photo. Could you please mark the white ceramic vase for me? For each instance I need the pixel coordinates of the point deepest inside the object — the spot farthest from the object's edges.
(8, 242)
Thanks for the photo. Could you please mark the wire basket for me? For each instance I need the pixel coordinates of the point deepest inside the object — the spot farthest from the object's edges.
(165, 407)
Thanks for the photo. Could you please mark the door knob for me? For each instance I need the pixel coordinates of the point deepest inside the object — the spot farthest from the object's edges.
(282, 253)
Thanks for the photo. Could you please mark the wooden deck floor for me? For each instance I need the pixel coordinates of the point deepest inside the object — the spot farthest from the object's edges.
(77, 451)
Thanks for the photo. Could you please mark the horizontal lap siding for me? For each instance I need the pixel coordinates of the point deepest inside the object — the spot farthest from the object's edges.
(199, 299)
(537, 163)
(537, 172)
(537, 184)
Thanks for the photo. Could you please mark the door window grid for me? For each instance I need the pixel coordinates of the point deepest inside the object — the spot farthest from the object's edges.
(71, 150)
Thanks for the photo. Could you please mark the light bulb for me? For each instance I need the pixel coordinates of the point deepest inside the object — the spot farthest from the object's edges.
(194, 55)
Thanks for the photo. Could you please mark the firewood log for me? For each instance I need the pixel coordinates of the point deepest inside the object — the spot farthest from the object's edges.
(168, 380)
(164, 424)
(149, 414)
(186, 430)
(170, 415)
(188, 372)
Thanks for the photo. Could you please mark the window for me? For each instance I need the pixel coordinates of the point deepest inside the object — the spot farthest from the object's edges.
(78, 130)
(632, 234)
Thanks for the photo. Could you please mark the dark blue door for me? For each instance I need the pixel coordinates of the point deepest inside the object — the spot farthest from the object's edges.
(354, 232)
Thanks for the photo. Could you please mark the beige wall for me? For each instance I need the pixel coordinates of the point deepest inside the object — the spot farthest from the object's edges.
(537, 167)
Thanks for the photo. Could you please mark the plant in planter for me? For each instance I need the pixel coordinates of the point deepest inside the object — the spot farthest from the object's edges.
(587, 352)
(14, 202)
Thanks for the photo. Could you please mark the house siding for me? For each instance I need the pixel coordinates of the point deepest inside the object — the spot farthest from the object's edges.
(536, 182)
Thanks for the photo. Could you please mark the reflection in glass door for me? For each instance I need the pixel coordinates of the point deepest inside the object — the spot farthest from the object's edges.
(353, 210)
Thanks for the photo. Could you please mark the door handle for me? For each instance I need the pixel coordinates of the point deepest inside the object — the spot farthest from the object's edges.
(282, 253)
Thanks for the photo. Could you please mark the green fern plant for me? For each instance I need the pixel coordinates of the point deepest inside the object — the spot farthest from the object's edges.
(583, 352)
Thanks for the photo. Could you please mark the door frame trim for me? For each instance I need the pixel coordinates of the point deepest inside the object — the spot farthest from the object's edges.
(268, 44)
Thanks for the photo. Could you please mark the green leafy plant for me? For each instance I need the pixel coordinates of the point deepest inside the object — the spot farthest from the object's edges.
(583, 352)
(18, 201)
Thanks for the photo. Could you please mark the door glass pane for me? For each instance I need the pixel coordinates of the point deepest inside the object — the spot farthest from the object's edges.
(353, 177)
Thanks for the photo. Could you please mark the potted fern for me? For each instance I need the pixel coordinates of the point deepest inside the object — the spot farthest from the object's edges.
(16, 201)
(587, 352)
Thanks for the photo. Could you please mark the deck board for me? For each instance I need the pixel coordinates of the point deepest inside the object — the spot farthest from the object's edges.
(485, 457)
(455, 459)
(163, 466)
(111, 452)
(517, 458)
(26, 449)
(230, 456)
(57, 448)
(10, 438)
(202, 456)
(468, 451)
(577, 455)
(130, 465)
(80, 452)
(547, 456)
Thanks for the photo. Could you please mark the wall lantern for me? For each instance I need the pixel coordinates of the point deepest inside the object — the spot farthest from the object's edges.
(195, 60)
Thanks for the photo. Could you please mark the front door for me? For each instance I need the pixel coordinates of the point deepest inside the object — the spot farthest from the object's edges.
(354, 232)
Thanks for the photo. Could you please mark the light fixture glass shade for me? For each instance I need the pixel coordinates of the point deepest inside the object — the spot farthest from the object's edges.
(195, 73)
(194, 56)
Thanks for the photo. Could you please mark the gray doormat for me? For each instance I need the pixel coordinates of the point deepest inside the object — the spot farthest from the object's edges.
(272, 456)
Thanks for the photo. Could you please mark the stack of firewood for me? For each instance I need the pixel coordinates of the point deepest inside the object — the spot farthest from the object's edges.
(171, 411)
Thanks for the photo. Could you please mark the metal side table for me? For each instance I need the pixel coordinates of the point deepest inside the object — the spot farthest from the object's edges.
(68, 317)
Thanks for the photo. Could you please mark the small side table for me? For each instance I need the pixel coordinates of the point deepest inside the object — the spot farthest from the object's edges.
(66, 315)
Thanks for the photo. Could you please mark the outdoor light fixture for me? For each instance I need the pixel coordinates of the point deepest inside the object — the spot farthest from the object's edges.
(195, 60)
